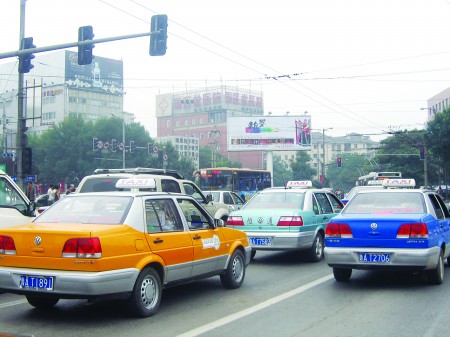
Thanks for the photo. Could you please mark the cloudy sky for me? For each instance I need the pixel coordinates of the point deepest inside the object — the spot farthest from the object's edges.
(353, 65)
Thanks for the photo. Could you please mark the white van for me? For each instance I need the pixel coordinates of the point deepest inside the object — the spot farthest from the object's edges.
(15, 208)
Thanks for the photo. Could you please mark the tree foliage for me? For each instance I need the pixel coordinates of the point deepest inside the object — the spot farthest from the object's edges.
(300, 167)
(281, 172)
(345, 177)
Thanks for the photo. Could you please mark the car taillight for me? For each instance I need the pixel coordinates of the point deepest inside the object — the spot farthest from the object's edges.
(290, 221)
(7, 246)
(338, 230)
(88, 248)
(412, 231)
(235, 221)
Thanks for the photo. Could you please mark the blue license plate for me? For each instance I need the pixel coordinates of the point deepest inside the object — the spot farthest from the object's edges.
(374, 258)
(36, 282)
(261, 241)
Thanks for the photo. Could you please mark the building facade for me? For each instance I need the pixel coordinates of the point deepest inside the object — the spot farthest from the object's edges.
(203, 114)
(438, 103)
(58, 87)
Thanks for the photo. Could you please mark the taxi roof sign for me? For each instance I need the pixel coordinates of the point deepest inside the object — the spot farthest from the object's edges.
(399, 183)
(299, 183)
(136, 183)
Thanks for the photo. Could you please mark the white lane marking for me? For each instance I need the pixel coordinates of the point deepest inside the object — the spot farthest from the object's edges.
(255, 308)
(10, 304)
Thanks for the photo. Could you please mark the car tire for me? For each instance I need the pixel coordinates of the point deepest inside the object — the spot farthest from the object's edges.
(41, 302)
(252, 256)
(146, 296)
(342, 274)
(315, 253)
(234, 275)
(436, 276)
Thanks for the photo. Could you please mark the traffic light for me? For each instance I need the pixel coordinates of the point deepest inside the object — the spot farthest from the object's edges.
(85, 51)
(23, 129)
(422, 154)
(25, 59)
(158, 35)
(27, 160)
(149, 148)
(132, 146)
(113, 145)
(339, 162)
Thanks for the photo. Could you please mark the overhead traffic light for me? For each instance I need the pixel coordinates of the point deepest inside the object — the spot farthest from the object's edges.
(422, 154)
(158, 35)
(25, 59)
(339, 162)
(132, 146)
(27, 160)
(95, 144)
(85, 50)
(113, 145)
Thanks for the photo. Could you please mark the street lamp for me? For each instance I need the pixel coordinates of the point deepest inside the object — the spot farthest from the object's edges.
(323, 152)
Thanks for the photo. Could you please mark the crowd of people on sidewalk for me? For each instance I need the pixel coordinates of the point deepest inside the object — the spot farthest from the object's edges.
(52, 195)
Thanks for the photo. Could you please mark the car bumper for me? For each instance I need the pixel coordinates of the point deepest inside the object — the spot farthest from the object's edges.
(399, 258)
(283, 241)
(72, 283)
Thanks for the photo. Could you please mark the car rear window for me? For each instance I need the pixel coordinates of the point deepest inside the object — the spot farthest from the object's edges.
(279, 200)
(386, 203)
(80, 209)
(99, 185)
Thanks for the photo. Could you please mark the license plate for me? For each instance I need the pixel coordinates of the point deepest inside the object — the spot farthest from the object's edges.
(261, 241)
(36, 282)
(374, 257)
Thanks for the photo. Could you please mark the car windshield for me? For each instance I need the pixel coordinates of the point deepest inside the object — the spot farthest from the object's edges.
(279, 200)
(357, 189)
(90, 209)
(385, 203)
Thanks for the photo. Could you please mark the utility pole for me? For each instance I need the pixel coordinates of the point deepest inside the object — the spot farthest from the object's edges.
(20, 103)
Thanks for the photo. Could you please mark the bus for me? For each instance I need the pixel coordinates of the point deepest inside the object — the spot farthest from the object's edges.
(245, 182)
(376, 178)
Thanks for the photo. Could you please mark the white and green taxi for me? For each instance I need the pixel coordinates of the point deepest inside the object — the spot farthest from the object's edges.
(293, 217)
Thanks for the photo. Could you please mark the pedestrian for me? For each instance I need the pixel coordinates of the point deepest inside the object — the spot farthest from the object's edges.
(30, 191)
(57, 190)
(51, 194)
(71, 189)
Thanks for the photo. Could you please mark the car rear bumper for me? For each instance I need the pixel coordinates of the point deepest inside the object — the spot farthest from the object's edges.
(72, 283)
(399, 258)
(283, 240)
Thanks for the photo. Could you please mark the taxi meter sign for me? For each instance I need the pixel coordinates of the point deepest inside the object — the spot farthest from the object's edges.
(299, 183)
(136, 183)
(399, 183)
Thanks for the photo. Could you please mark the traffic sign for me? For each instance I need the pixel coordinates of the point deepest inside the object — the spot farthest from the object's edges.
(8, 154)
(165, 157)
(121, 146)
(155, 149)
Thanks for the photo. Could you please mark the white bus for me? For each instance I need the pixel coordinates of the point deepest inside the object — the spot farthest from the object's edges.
(376, 178)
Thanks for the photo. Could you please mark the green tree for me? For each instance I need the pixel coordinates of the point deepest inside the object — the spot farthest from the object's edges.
(300, 167)
(437, 141)
(345, 177)
(205, 158)
(281, 172)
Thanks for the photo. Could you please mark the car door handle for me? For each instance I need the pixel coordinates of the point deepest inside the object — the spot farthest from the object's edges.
(325, 218)
(197, 237)
(158, 240)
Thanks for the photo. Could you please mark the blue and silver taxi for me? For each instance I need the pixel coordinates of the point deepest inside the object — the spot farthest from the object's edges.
(287, 218)
(395, 228)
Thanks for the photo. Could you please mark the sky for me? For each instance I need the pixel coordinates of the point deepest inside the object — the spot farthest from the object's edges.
(352, 65)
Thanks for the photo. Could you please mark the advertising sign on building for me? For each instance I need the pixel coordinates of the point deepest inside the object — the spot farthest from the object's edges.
(103, 74)
(266, 133)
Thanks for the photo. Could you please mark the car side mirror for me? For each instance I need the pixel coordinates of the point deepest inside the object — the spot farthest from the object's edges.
(209, 198)
(219, 223)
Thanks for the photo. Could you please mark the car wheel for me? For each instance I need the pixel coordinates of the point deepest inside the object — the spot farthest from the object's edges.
(41, 302)
(252, 256)
(342, 274)
(436, 276)
(234, 275)
(146, 296)
(315, 253)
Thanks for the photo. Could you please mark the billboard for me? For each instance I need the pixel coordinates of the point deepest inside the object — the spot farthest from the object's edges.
(103, 74)
(269, 133)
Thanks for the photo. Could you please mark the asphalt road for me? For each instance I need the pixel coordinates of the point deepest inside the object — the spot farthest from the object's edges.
(283, 295)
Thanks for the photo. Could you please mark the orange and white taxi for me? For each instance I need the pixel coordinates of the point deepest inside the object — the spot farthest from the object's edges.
(119, 244)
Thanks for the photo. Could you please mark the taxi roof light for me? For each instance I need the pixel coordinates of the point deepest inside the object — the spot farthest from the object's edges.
(136, 183)
(399, 183)
(299, 184)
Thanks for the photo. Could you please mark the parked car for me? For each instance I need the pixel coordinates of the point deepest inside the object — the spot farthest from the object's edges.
(125, 245)
(230, 198)
(287, 218)
(390, 229)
